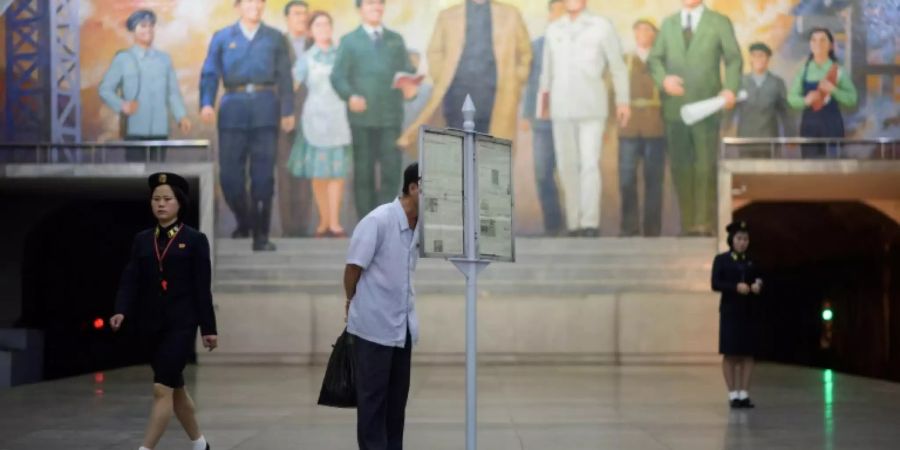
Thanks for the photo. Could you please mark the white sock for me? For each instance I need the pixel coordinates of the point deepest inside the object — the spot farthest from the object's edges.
(743, 395)
(733, 395)
(145, 448)
(200, 444)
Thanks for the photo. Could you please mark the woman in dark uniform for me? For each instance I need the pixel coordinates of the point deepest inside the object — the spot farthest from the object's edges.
(734, 276)
(165, 292)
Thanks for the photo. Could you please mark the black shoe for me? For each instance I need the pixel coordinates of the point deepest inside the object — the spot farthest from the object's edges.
(242, 214)
(734, 404)
(573, 233)
(264, 246)
(262, 218)
(207, 446)
(746, 403)
(590, 232)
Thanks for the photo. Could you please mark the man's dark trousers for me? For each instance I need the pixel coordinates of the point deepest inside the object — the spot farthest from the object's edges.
(237, 148)
(382, 388)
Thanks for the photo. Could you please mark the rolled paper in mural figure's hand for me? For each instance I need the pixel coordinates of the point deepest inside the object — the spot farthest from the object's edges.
(695, 112)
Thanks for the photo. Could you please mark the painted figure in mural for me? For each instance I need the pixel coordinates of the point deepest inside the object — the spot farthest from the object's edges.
(685, 62)
(368, 60)
(321, 151)
(253, 62)
(578, 49)
(142, 87)
(736, 278)
(482, 48)
(642, 140)
(765, 112)
(294, 193)
(820, 90)
(166, 295)
(542, 134)
(413, 107)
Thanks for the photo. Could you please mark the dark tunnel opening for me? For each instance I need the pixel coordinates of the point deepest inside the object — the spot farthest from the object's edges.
(72, 260)
(841, 257)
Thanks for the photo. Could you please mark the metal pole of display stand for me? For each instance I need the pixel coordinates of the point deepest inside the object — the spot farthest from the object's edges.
(470, 266)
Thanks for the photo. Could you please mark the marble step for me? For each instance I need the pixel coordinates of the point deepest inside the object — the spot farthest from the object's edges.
(524, 246)
(544, 266)
(457, 287)
(337, 258)
(440, 270)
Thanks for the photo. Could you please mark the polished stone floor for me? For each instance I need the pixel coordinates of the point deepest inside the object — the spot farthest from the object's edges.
(520, 407)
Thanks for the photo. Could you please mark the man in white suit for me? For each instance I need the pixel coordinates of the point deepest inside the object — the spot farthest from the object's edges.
(578, 48)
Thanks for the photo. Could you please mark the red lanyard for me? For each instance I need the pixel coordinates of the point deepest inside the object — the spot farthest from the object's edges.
(161, 256)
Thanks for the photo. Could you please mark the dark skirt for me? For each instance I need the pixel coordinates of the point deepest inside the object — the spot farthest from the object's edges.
(169, 352)
(736, 328)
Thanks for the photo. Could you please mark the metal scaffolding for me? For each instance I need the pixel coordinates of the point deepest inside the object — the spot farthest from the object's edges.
(65, 68)
(43, 71)
(27, 61)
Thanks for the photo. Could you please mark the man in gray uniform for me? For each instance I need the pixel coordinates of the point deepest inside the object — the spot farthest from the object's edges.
(765, 112)
(142, 86)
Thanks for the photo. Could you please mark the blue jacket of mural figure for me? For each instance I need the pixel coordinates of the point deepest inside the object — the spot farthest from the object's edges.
(148, 77)
(237, 62)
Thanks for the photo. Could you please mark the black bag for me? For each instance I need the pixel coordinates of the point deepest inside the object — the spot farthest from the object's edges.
(339, 385)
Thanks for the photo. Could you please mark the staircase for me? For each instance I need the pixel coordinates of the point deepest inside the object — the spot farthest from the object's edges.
(604, 300)
(544, 266)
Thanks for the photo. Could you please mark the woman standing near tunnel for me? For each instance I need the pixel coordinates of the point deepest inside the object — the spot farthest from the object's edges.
(166, 292)
(734, 276)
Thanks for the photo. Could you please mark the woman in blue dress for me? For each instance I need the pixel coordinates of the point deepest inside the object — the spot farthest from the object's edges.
(320, 151)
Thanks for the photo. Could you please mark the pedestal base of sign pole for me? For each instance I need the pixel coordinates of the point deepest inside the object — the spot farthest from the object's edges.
(471, 268)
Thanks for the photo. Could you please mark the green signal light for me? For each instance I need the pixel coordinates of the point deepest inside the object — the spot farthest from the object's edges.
(827, 315)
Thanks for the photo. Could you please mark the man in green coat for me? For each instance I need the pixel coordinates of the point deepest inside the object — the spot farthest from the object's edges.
(686, 64)
(363, 76)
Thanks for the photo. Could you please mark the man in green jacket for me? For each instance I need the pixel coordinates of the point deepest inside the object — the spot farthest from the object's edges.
(363, 76)
(686, 64)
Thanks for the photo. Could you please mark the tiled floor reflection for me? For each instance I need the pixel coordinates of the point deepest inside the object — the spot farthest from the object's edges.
(520, 407)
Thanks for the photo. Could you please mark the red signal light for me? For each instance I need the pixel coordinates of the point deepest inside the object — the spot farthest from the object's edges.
(98, 323)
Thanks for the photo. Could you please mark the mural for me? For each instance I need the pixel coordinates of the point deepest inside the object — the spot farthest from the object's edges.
(866, 43)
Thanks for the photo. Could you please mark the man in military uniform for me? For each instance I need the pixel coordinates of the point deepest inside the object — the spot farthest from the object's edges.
(642, 139)
(147, 88)
(253, 62)
(363, 76)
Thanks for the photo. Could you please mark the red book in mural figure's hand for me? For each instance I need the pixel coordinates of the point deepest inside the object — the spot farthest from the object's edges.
(832, 77)
(543, 107)
(404, 79)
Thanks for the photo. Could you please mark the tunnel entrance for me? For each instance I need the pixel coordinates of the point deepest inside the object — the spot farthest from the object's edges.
(843, 257)
(72, 256)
